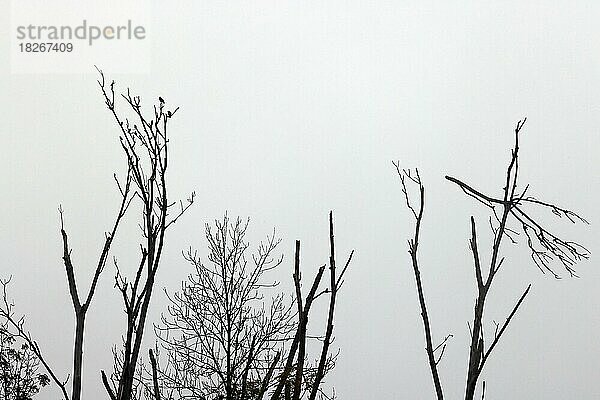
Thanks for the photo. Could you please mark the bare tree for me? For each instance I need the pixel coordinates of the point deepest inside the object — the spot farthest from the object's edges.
(256, 360)
(223, 330)
(307, 380)
(144, 140)
(413, 246)
(145, 144)
(545, 247)
(81, 305)
(225, 337)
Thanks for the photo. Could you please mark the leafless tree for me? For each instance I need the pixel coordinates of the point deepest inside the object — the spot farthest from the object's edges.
(82, 305)
(256, 360)
(145, 145)
(545, 247)
(413, 246)
(297, 380)
(222, 332)
(144, 140)
(225, 337)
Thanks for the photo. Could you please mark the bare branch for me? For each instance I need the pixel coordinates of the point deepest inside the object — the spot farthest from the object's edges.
(413, 251)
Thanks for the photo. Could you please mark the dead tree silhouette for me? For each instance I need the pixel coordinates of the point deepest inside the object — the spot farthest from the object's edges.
(293, 388)
(145, 142)
(545, 248)
(226, 325)
(221, 340)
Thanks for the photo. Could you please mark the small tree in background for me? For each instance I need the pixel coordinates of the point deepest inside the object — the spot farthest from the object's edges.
(545, 248)
(20, 378)
(228, 335)
(223, 329)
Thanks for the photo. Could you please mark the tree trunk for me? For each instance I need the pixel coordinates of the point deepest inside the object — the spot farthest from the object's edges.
(78, 355)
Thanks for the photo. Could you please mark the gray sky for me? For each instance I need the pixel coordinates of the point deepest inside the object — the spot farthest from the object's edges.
(290, 109)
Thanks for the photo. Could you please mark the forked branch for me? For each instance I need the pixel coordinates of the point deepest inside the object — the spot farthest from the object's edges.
(407, 176)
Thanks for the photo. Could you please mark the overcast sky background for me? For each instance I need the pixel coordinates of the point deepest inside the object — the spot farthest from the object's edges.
(292, 109)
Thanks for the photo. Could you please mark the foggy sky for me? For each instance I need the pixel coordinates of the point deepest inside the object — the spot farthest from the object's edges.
(292, 109)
